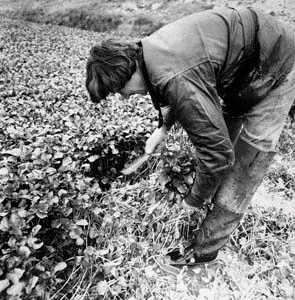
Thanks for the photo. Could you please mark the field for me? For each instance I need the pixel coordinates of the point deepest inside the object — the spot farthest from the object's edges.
(71, 226)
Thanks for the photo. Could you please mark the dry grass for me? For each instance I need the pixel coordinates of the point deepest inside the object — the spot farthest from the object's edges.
(141, 223)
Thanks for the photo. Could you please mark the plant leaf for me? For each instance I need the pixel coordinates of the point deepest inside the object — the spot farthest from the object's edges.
(4, 284)
(59, 267)
(82, 222)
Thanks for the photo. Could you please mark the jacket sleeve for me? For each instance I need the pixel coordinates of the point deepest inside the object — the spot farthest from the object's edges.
(199, 112)
(168, 117)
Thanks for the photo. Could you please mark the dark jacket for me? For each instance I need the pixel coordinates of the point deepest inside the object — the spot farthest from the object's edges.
(238, 56)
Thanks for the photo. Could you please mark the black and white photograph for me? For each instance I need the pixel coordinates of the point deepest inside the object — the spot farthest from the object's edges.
(147, 150)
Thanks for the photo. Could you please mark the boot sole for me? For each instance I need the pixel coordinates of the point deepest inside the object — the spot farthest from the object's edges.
(175, 269)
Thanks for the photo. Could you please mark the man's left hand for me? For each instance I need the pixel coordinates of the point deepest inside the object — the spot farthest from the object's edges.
(157, 138)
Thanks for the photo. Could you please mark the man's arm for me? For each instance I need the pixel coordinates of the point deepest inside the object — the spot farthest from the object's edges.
(159, 135)
(198, 111)
(168, 117)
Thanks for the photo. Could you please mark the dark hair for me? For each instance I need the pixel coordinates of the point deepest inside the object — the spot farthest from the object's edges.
(109, 67)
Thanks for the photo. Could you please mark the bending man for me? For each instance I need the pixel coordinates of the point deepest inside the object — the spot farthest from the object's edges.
(227, 76)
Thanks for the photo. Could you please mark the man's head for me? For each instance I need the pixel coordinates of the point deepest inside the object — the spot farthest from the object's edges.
(110, 67)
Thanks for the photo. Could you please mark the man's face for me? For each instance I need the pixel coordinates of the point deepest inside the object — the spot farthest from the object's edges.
(135, 85)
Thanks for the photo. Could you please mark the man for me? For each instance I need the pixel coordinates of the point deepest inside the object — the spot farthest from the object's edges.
(227, 77)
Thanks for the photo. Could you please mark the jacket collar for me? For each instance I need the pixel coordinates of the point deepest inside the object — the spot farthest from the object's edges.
(155, 98)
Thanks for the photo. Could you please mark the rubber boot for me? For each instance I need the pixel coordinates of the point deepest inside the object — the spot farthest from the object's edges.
(210, 237)
(230, 204)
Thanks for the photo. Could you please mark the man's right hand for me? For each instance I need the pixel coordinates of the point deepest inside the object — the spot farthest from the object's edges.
(157, 138)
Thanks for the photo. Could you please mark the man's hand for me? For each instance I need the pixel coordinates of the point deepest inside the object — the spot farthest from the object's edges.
(157, 138)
